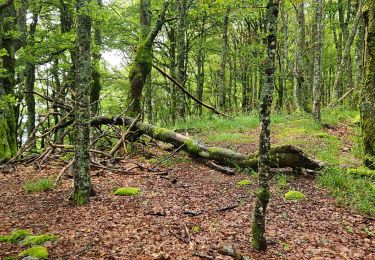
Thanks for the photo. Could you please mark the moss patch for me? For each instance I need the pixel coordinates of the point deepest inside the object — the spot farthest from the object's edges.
(128, 191)
(15, 236)
(38, 252)
(38, 240)
(294, 195)
(244, 182)
(196, 229)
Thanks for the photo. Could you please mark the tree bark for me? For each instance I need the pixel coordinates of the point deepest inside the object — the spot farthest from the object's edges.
(368, 93)
(263, 195)
(81, 167)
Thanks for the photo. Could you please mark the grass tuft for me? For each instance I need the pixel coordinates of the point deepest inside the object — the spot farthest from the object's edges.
(40, 185)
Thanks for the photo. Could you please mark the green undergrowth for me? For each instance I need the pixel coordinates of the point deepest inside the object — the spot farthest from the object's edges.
(39, 185)
(350, 189)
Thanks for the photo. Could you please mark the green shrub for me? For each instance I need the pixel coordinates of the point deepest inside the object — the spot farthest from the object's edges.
(43, 184)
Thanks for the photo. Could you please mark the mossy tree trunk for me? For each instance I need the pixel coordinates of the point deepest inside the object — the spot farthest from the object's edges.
(258, 228)
(142, 64)
(368, 90)
(81, 167)
(8, 136)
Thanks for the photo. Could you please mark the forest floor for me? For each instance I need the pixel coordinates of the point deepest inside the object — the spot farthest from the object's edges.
(194, 210)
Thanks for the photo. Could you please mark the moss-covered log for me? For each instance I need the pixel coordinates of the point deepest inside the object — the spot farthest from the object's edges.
(282, 156)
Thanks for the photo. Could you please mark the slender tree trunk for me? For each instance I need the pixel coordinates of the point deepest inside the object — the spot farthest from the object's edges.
(258, 229)
(172, 69)
(29, 84)
(301, 86)
(81, 167)
(200, 65)
(317, 83)
(224, 60)
(368, 93)
(181, 49)
(96, 57)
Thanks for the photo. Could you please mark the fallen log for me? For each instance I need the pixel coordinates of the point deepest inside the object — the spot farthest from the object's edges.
(281, 156)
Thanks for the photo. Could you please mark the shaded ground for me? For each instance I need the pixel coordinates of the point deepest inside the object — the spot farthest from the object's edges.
(154, 226)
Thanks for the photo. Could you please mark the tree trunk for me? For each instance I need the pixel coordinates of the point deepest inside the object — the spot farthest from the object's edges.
(280, 157)
(81, 167)
(317, 83)
(368, 93)
(224, 60)
(8, 136)
(258, 229)
(200, 65)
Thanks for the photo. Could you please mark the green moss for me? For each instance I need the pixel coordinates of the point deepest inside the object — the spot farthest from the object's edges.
(43, 184)
(244, 182)
(38, 240)
(196, 229)
(79, 197)
(38, 252)
(15, 236)
(10, 258)
(192, 146)
(263, 194)
(128, 191)
(294, 195)
(153, 160)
